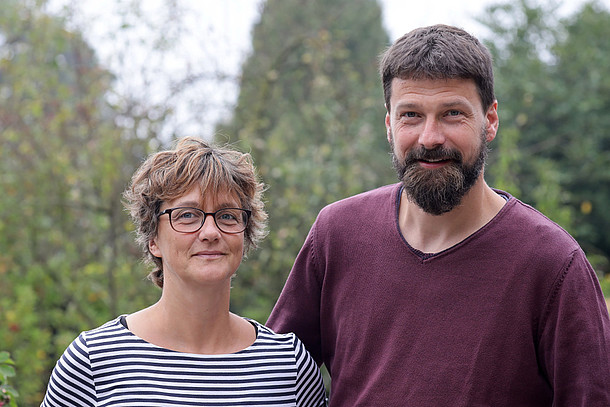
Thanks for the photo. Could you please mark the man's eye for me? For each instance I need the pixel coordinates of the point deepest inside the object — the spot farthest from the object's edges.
(454, 113)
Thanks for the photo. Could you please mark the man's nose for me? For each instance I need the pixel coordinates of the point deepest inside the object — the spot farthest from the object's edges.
(431, 135)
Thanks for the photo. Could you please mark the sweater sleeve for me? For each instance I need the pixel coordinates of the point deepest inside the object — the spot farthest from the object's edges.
(71, 383)
(298, 307)
(574, 344)
(310, 386)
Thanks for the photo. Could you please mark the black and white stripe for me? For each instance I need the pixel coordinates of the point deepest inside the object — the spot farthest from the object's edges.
(109, 366)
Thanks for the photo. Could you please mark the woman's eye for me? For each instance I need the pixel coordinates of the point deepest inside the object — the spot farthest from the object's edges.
(186, 215)
(227, 216)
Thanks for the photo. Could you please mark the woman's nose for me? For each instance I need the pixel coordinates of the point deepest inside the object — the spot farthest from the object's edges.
(209, 230)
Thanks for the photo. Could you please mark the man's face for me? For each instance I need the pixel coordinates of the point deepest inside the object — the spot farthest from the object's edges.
(439, 135)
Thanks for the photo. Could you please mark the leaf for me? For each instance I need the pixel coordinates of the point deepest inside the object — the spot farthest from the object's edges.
(7, 371)
(5, 388)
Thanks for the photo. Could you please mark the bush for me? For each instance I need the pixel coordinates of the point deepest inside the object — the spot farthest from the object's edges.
(8, 394)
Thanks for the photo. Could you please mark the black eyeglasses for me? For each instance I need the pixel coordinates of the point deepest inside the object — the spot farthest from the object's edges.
(190, 220)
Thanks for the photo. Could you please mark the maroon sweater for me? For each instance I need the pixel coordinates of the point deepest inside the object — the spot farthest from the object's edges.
(511, 316)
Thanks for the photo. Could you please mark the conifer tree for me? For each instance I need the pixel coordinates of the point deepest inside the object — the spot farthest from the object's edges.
(310, 111)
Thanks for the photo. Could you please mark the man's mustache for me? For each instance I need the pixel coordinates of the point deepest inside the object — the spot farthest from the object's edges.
(435, 154)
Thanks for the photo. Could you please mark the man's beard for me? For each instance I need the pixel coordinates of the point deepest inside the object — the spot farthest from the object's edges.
(440, 190)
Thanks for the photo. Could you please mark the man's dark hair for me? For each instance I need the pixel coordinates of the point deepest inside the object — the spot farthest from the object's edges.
(438, 52)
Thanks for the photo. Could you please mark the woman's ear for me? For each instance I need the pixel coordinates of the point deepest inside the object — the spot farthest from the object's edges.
(153, 248)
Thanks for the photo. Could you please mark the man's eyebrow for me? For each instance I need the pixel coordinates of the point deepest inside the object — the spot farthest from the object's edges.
(456, 103)
(412, 105)
(407, 105)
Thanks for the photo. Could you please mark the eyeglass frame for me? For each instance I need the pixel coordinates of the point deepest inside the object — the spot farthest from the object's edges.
(169, 211)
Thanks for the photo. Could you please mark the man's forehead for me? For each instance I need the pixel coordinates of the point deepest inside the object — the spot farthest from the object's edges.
(448, 92)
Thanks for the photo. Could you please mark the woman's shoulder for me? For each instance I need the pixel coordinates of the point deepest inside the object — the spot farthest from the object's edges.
(106, 333)
(264, 334)
(79, 351)
(286, 344)
(107, 328)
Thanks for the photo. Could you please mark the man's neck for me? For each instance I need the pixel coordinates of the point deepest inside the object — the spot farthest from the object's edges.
(435, 233)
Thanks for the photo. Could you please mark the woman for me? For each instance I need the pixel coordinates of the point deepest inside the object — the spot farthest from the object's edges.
(198, 209)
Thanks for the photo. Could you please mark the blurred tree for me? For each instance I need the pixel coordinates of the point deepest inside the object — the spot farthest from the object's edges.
(553, 147)
(580, 113)
(310, 110)
(67, 262)
(72, 133)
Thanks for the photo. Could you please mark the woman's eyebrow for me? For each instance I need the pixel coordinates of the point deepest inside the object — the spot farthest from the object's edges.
(198, 204)
(194, 204)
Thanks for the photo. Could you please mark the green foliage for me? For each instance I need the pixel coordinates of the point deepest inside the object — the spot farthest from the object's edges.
(8, 394)
(605, 283)
(553, 145)
(581, 114)
(67, 261)
(310, 111)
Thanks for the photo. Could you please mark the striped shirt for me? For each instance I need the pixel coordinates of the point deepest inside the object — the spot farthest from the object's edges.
(110, 366)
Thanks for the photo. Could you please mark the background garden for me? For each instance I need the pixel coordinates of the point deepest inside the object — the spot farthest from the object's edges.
(309, 109)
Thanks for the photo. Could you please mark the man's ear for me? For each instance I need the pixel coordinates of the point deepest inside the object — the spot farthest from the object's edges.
(388, 128)
(492, 122)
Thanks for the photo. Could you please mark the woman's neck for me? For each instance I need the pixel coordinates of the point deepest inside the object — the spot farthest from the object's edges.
(193, 323)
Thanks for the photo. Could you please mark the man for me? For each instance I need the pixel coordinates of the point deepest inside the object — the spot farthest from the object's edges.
(439, 290)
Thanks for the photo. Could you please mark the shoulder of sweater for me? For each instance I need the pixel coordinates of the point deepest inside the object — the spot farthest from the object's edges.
(377, 196)
(526, 220)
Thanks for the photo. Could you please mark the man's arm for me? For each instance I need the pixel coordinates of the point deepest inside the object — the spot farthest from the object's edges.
(298, 307)
(574, 345)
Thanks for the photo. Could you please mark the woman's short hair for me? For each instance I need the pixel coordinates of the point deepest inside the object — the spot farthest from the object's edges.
(170, 174)
(438, 52)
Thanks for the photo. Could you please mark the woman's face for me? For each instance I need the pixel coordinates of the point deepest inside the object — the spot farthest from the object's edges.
(207, 256)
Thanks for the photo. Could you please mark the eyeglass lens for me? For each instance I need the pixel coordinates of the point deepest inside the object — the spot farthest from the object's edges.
(229, 220)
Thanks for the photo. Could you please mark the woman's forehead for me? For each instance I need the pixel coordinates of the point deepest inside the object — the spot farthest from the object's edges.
(197, 198)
